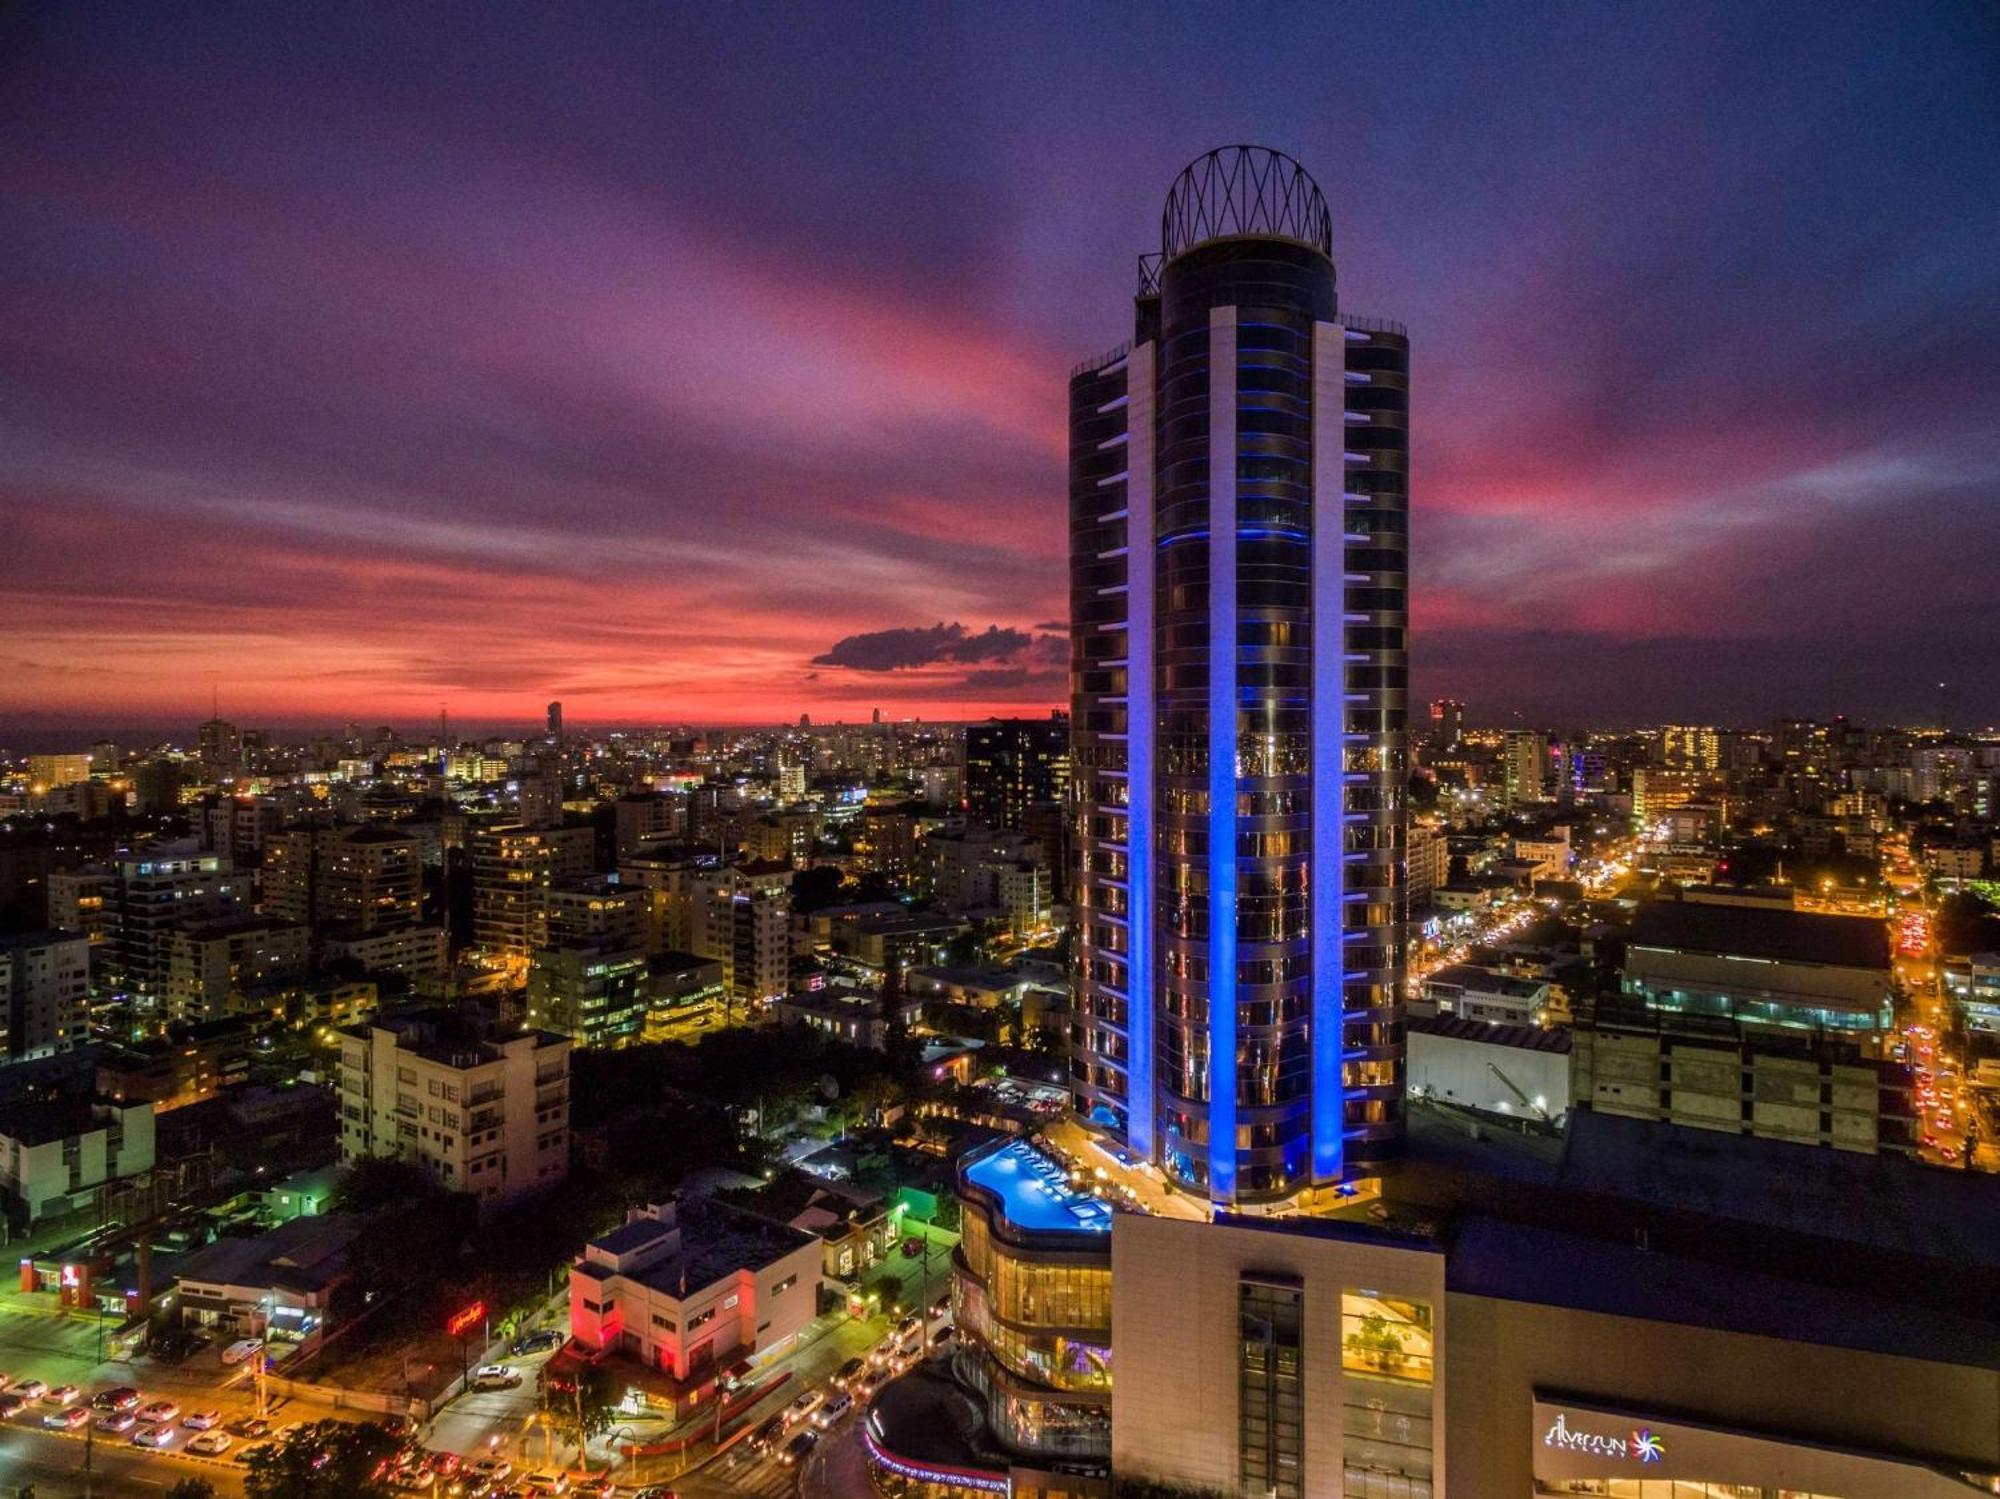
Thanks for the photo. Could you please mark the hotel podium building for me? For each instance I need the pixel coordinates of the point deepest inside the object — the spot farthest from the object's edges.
(1238, 494)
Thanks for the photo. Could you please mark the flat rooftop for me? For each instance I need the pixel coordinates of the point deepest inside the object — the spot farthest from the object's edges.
(717, 1240)
(1556, 1039)
(1525, 1262)
(1761, 932)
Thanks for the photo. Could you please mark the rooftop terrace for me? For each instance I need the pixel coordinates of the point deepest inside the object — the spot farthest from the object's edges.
(1034, 1191)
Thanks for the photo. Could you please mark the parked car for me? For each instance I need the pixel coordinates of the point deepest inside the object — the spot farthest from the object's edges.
(797, 1448)
(538, 1342)
(68, 1419)
(238, 1351)
(62, 1394)
(12, 1405)
(255, 1427)
(201, 1420)
(32, 1389)
(153, 1436)
(545, 1485)
(495, 1377)
(159, 1410)
(495, 1468)
(211, 1443)
(117, 1421)
(123, 1398)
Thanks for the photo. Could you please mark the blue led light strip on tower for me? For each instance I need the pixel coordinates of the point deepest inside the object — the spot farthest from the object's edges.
(1141, 724)
(1328, 767)
(1222, 755)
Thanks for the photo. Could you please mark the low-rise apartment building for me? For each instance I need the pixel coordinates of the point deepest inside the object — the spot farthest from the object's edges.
(57, 1155)
(691, 1284)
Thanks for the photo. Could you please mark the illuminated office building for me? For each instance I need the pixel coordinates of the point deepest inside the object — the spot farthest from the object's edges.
(1238, 496)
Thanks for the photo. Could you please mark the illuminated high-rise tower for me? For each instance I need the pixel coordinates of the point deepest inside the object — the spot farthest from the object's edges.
(1238, 495)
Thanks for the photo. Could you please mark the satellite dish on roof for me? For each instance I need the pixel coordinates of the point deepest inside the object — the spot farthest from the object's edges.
(829, 1087)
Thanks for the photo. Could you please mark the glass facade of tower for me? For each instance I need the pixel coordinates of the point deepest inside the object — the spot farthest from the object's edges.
(1237, 503)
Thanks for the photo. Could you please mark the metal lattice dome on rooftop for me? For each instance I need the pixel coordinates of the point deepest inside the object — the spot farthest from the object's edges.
(1244, 190)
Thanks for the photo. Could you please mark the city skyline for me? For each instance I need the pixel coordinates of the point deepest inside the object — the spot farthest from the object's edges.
(377, 363)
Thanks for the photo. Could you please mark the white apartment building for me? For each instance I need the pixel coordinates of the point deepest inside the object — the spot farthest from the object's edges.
(480, 1114)
(44, 992)
(57, 1155)
(743, 919)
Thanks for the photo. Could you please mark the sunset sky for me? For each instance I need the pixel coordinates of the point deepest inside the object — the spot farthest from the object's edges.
(707, 363)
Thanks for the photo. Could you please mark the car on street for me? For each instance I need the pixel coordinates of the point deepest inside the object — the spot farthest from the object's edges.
(769, 1432)
(874, 1379)
(656, 1491)
(444, 1464)
(117, 1421)
(238, 1351)
(12, 1405)
(123, 1398)
(942, 1306)
(494, 1468)
(471, 1486)
(941, 1339)
(159, 1410)
(67, 1420)
(836, 1407)
(211, 1443)
(544, 1485)
(153, 1436)
(495, 1377)
(538, 1342)
(805, 1405)
(797, 1448)
(850, 1371)
(418, 1480)
(912, 1248)
(31, 1389)
(62, 1394)
(909, 1325)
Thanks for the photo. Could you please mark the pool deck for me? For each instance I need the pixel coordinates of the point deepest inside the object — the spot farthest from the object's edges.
(1035, 1193)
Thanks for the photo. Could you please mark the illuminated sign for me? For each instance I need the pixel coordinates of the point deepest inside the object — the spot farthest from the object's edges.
(1640, 1445)
(466, 1320)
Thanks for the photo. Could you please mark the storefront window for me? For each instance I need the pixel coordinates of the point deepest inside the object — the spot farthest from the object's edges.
(1386, 1356)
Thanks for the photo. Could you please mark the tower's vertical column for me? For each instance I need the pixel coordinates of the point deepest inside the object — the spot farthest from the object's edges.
(1142, 728)
(1329, 685)
(1222, 699)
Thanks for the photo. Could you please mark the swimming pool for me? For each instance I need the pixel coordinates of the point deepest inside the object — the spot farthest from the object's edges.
(1034, 1191)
